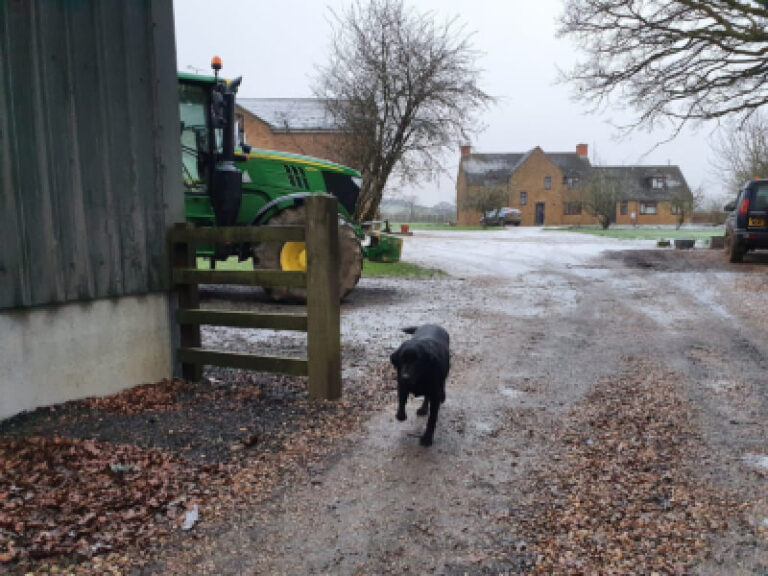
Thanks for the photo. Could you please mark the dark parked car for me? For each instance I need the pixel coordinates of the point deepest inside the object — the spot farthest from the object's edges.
(746, 227)
(502, 217)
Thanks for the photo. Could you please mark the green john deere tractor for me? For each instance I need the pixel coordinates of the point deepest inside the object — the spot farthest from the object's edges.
(225, 186)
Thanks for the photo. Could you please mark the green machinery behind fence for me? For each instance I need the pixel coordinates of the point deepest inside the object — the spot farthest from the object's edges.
(225, 186)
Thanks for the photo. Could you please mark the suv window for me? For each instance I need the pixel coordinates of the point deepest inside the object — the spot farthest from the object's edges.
(761, 198)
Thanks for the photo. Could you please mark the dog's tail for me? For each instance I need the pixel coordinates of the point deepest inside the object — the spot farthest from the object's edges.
(410, 329)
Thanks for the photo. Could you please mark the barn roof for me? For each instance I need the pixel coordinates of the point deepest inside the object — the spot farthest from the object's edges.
(290, 114)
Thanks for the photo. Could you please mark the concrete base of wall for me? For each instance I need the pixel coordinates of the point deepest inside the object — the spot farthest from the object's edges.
(54, 354)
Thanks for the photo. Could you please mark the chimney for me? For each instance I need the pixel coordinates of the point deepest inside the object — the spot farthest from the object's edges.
(582, 150)
(466, 149)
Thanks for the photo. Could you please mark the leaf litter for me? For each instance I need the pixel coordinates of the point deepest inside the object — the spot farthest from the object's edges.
(620, 494)
(98, 485)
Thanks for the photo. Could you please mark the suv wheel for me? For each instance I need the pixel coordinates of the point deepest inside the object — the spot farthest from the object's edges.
(732, 248)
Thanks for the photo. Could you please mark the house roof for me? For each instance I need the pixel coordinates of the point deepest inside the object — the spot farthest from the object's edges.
(493, 169)
(489, 169)
(570, 163)
(637, 181)
(290, 114)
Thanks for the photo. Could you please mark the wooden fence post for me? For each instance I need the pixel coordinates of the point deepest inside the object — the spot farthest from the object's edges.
(323, 308)
(184, 256)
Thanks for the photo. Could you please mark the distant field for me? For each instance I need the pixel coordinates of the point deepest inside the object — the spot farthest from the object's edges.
(647, 233)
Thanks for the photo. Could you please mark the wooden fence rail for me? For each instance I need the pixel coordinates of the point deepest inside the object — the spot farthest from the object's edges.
(320, 320)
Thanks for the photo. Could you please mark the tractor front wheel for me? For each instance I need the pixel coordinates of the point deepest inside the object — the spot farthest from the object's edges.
(293, 256)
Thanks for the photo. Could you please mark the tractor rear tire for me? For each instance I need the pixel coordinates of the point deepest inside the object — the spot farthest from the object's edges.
(267, 256)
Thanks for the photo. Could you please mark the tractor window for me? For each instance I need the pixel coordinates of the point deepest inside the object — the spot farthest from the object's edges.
(195, 144)
(344, 187)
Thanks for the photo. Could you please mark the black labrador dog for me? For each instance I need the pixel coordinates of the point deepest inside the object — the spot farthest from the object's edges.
(422, 366)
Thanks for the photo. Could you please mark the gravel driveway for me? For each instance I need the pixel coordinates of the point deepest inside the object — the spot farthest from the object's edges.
(605, 413)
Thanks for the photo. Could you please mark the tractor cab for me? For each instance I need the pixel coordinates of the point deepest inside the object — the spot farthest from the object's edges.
(207, 114)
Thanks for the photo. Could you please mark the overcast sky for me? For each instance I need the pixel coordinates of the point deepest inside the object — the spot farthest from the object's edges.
(277, 47)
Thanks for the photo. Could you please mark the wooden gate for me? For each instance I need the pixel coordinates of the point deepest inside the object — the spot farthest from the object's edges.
(320, 319)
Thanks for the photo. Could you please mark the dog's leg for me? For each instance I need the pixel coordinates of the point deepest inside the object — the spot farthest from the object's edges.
(434, 408)
(422, 411)
(402, 398)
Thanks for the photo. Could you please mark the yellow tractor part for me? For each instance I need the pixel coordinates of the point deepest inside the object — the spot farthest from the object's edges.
(293, 256)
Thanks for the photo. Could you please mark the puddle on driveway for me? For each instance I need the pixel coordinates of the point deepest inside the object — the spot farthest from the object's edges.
(483, 427)
(759, 461)
(511, 392)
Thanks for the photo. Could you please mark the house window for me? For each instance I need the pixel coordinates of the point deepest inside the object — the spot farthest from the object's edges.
(676, 209)
(647, 207)
(623, 208)
(523, 198)
(571, 182)
(548, 182)
(239, 129)
(657, 183)
(571, 208)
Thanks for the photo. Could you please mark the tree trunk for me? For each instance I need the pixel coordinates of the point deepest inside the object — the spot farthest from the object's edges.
(368, 203)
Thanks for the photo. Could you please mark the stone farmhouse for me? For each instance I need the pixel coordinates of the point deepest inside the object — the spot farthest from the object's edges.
(548, 187)
(297, 125)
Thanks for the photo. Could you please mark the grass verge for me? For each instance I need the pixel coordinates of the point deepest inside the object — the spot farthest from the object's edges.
(399, 269)
(646, 233)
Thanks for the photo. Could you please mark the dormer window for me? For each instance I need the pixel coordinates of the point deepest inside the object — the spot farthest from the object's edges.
(658, 182)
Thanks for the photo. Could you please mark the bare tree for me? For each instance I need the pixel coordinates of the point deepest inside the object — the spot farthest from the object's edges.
(713, 208)
(678, 60)
(742, 152)
(403, 87)
(684, 203)
(411, 201)
(600, 194)
(487, 199)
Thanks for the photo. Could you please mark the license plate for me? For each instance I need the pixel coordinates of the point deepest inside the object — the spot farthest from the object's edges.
(757, 221)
